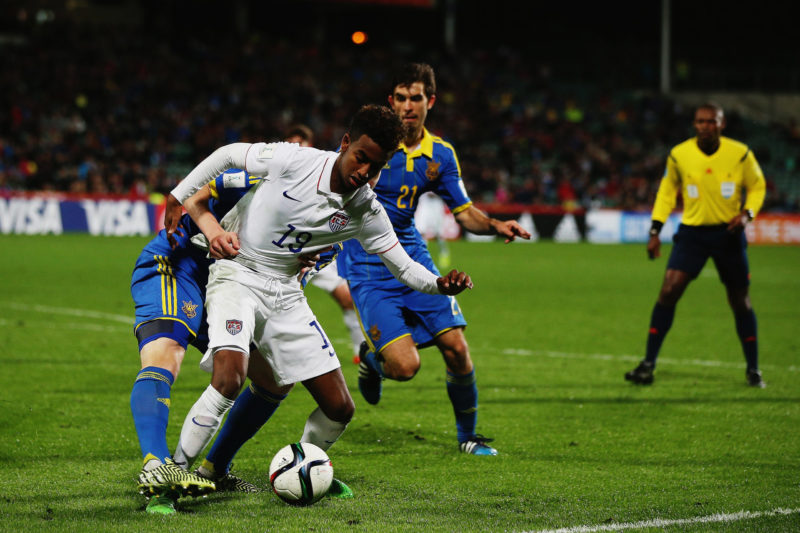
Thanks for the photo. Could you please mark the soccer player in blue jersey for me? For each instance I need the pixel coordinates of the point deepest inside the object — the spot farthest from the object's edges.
(168, 288)
(723, 188)
(396, 319)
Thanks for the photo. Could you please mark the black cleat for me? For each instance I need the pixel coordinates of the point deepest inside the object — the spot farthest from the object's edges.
(642, 374)
(754, 378)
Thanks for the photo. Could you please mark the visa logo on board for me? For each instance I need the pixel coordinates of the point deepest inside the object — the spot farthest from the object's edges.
(30, 216)
(116, 217)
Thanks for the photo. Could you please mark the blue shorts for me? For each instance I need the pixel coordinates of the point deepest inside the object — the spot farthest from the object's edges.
(693, 245)
(169, 290)
(388, 310)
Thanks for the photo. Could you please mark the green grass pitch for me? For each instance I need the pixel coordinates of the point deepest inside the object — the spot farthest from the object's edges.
(552, 329)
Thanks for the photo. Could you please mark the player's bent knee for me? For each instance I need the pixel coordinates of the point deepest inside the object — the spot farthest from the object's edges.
(230, 371)
(406, 372)
(340, 411)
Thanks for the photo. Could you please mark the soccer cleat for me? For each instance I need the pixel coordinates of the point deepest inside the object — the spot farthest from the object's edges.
(231, 483)
(477, 445)
(170, 479)
(340, 490)
(642, 374)
(161, 504)
(369, 381)
(754, 379)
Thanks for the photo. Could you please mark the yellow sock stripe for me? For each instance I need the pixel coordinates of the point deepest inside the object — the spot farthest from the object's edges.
(149, 457)
(208, 465)
(153, 375)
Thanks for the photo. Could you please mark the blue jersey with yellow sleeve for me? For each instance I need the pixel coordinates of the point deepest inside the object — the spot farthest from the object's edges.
(431, 166)
(168, 285)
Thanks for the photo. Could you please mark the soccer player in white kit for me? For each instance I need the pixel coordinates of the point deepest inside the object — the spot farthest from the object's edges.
(327, 278)
(307, 200)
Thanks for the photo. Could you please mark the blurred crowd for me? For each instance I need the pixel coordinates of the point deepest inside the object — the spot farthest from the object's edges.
(120, 114)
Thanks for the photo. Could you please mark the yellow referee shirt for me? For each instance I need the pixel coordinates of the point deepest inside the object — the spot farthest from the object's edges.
(712, 186)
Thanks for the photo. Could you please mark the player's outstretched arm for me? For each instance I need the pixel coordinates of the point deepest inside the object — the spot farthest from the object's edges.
(476, 221)
(419, 278)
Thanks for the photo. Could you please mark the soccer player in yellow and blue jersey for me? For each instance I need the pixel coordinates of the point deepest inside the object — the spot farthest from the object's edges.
(722, 188)
(396, 319)
(168, 289)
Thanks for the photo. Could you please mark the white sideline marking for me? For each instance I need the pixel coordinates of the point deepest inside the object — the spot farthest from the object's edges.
(70, 311)
(663, 522)
(70, 326)
(636, 358)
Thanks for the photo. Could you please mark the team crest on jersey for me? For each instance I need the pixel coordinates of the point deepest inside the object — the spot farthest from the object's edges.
(189, 309)
(432, 172)
(374, 333)
(233, 326)
(338, 221)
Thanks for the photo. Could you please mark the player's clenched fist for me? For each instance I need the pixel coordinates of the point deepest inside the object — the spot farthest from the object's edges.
(224, 245)
(454, 282)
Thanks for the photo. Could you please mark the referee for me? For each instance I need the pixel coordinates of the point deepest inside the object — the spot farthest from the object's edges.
(723, 188)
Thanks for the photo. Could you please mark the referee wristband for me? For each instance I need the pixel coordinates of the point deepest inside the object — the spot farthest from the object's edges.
(655, 228)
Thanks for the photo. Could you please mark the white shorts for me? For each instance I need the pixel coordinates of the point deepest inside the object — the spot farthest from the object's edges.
(246, 308)
(328, 278)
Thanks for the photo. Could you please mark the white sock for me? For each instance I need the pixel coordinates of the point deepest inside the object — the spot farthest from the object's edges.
(200, 425)
(351, 321)
(321, 430)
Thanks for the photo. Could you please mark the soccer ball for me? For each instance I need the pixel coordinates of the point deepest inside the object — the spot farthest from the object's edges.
(300, 473)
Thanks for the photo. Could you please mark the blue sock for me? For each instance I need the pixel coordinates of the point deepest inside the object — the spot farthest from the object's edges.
(251, 410)
(746, 327)
(150, 410)
(463, 393)
(660, 322)
(374, 362)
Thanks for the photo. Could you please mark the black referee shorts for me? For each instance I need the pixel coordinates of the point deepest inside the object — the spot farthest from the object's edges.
(693, 245)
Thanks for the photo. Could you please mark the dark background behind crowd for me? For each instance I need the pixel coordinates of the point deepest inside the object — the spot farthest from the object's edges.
(125, 98)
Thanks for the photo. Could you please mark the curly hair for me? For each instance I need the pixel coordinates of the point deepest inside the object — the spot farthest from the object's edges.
(378, 123)
(412, 73)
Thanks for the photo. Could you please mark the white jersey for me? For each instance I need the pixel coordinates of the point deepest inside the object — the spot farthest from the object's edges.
(293, 211)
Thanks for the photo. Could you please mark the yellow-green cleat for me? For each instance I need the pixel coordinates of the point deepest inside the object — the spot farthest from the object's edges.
(161, 504)
(340, 490)
(230, 483)
(171, 479)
